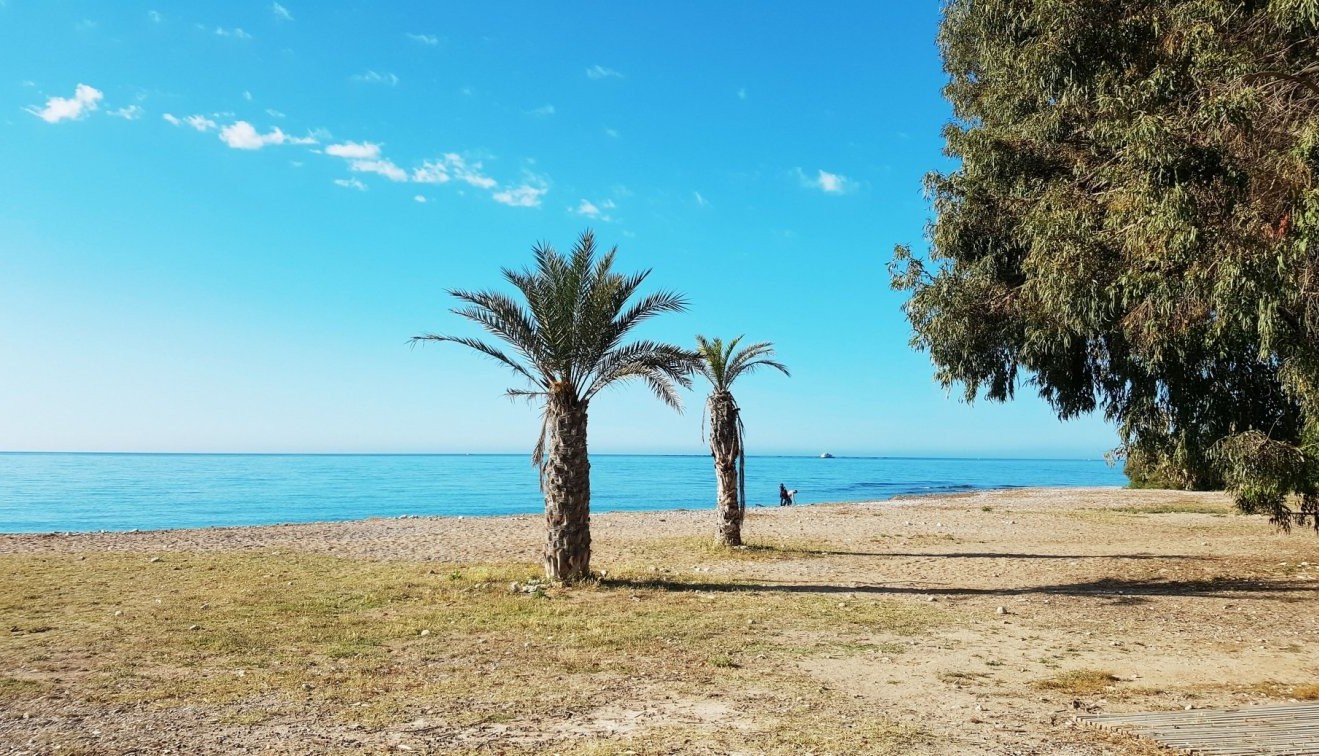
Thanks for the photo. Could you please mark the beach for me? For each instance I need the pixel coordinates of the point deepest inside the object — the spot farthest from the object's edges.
(1034, 606)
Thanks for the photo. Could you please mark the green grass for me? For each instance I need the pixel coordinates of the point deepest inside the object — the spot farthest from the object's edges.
(374, 643)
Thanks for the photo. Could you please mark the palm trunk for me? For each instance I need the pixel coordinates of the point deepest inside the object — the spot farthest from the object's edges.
(566, 480)
(726, 446)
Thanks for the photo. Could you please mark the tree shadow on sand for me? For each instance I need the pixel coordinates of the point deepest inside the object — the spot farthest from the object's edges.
(1121, 590)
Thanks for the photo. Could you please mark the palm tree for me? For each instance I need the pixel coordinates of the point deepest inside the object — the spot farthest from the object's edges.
(567, 342)
(722, 365)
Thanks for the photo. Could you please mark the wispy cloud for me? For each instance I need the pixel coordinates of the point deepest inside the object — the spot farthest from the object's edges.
(350, 183)
(354, 150)
(155, 16)
(611, 133)
(281, 12)
(419, 198)
(128, 112)
(742, 93)
(375, 77)
(242, 135)
(234, 33)
(85, 99)
(200, 122)
(527, 194)
(829, 183)
(544, 111)
(385, 168)
(600, 72)
(701, 200)
(430, 40)
(591, 210)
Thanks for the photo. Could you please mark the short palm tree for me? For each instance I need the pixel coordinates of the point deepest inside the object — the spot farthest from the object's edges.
(722, 365)
(567, 342)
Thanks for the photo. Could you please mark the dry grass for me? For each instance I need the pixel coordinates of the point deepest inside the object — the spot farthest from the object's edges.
(1306, 693)
(1078, 682)
(254, 637)
(1186, 506)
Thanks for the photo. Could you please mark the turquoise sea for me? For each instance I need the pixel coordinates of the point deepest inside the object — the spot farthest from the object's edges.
(47, 492)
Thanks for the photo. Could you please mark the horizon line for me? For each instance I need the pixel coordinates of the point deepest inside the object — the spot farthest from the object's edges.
(964, 457)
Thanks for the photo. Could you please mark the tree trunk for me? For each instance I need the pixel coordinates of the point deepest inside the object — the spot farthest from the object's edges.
(566, 481)
(726, 446)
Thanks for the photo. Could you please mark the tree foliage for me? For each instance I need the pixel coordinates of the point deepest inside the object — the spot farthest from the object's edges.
(1133, 228)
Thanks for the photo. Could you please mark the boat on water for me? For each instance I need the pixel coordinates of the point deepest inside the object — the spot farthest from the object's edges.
(826, 455)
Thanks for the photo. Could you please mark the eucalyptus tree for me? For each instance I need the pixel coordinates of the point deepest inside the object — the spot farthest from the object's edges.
(722, 364)
(1132, 226)
(566, 340)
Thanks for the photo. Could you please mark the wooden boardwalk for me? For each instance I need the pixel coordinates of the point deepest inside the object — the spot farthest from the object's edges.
(1291, 729)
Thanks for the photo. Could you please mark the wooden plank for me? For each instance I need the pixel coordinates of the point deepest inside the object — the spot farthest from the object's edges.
(1288, 729)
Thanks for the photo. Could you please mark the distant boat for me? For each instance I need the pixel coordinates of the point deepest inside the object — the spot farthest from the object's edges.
(826, 455)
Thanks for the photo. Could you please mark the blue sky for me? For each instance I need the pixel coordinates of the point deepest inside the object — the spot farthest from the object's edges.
(223, 220)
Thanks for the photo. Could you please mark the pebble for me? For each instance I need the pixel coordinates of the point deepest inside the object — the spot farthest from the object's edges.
(153, 560)
(1001, 610)
(424, 633)
(194, 627)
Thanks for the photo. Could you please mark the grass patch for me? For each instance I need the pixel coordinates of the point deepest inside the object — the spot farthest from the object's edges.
(377, 644)
(1306, 693)
(1078, 682)
(1189, 506)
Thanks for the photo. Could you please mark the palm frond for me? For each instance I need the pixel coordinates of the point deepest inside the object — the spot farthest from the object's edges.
(483, 348)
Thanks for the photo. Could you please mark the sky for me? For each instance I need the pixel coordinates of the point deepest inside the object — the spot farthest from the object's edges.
(222, 221)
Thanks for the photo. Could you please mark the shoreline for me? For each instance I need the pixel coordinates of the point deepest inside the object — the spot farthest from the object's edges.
(897, 499)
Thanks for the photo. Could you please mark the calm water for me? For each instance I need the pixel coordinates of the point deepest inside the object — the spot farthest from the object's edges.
(80, 492)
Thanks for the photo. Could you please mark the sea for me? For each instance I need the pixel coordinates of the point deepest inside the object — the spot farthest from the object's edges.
(67, 492)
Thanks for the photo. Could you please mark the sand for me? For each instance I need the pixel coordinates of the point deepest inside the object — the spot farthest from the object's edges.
(1185, 609)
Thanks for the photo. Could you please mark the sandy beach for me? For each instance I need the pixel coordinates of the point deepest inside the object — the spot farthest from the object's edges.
(1169, 597)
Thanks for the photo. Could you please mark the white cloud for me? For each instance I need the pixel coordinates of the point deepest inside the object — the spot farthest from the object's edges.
(833, 183)
(829, 183)
(173, 119)
(420, 198)
(589, 209)
(274, 113)
(525, 195)
(247, 95)
(430, 40)
(85, 99)
(354, 150)
(351, 183)
(128, 113)
(236, 33)
(544, 111)
(700, 200)
(470, 174)
(431, 172)
(155, 16)
(452, 167)
(384, 168)
(244, 136)
(375, 77)
(600, 72)
(281, 12)
(200, 122)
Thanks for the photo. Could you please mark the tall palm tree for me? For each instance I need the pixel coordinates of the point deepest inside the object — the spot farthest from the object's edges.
(722, 365)
(567, 342)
